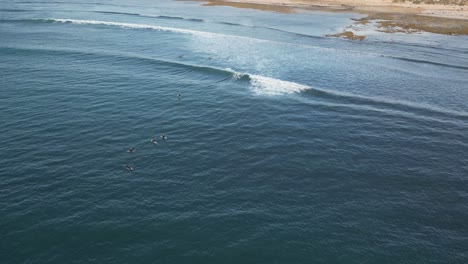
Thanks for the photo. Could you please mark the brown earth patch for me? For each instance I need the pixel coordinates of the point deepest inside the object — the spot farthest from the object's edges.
(348, 35)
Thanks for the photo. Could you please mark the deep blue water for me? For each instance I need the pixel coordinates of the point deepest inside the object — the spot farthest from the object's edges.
(285, 147)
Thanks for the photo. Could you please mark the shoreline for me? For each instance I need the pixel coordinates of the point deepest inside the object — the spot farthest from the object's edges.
(384, 15)
(451, 11)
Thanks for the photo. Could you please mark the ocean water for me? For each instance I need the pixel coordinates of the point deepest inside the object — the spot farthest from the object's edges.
(285, 147)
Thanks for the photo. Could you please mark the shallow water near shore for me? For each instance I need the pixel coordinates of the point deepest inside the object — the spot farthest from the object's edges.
(285, 147)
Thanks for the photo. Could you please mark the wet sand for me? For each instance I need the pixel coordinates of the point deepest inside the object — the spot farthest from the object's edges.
(389, 17)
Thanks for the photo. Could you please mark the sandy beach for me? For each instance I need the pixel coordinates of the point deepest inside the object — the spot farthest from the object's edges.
(452, 8)
(391, 16)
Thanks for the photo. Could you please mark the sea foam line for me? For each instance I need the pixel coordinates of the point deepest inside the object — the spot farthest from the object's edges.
(179, 30)
(153, 27)
(207, 34)
(263, 85)
(125, 25)
(271, 86)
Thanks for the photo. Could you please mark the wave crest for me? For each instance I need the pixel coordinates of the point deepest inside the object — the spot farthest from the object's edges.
(270, 86)
(121, 24)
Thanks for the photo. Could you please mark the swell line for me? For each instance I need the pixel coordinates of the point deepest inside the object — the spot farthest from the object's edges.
(160, 28)
(64, 52)
(259, 84)
(212, 34)
(272, 29)
(115, 13)
(398, 105)
(142, 26)
(169, 17)
(410, 45)
(14, 10)
(73, 3)
(263, 85)
(150, 16)
(452, 127)
(428, 62)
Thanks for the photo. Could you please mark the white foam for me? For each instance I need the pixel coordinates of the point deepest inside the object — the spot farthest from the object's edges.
(235, 75)
(153, 27)
(270, 86)
(126, 25)
(259, 84)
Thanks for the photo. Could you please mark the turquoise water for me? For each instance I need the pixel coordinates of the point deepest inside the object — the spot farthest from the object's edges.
(285, 147)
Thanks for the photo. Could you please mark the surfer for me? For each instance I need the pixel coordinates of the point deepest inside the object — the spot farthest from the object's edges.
(154, 141)
(128, 167)
(131, 150)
